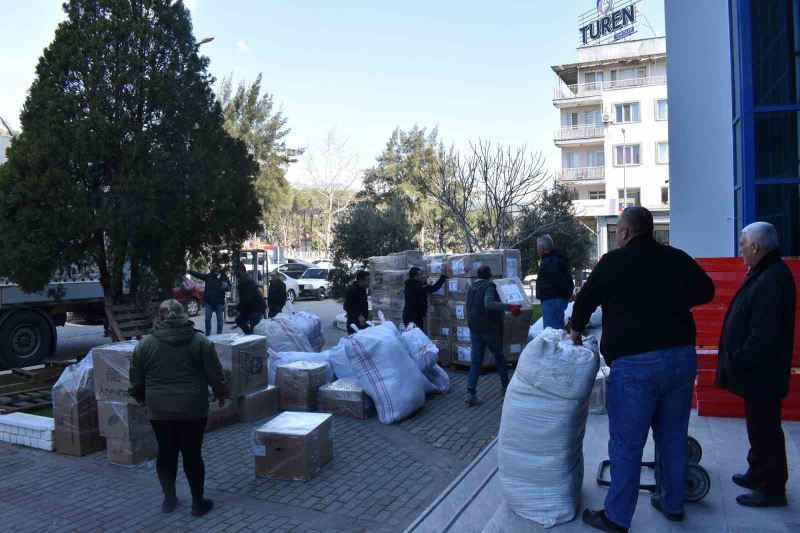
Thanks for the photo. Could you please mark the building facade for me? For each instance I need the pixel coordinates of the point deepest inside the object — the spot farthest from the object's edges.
(736, 143)
(5, 142)
(613, 134)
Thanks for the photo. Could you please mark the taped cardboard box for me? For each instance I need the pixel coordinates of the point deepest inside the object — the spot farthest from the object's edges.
(457, 310)
(78, 443)
(243, 358)
(444, 351)
(344, 397)
(133, 452)
(461, 354)
(112, 364)
(511, 352)
(74, 404)
(439, 296)
(391, 279)
(120, 421)
(512, 262)
(511, 291)
(220, 417)
(436, 264)
(409, 259)
(466, 266)
(299, 383)
(457, 288)
(258, 405)
(293, 446)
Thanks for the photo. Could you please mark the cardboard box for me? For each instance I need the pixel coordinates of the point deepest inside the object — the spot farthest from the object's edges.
(75, 416)
(439, 296)
(459, 332)
(457, 310)
(512, 263)
(258, 405)
(511, 291)
(387, 278)
(220, 417)
(294, 446)
(122, 421)
(461, 354)
(457, 288)
(398, 261)
(436, 264)
(129, 453)
(444, 351)
(298, 384)
(112, 363)
(77, 443)
(345, 398)
(244, 359)
(466, 266)
(515, 328)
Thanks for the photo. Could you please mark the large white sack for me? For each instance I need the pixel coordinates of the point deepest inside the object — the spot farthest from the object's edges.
(283, 335)
(339, 361)
(420, 347)
(309, 324)
(594, 328)
(595, 320)
(436, 379)
(540, 442)
(281, 358)
(386, 372)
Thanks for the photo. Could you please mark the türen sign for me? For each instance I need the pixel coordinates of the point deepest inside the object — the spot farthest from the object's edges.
(613, 26)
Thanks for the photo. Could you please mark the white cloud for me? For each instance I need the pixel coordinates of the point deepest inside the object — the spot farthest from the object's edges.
(242, 46)
(189, 4)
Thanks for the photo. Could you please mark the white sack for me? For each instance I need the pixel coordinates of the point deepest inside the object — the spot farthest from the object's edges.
(437, 379)
(386, 372)
(595, 320)
(420, 347)
(540, 442)
(309, 324)
(339, 361)
(283, 335)
(281, 358)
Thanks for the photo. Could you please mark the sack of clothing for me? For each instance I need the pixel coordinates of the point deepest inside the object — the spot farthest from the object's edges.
(339, 362)
(310, 325)
(540, 442)
(386, 373)
(437, 379)
(420, 347)
(281, 358)
(283, 335)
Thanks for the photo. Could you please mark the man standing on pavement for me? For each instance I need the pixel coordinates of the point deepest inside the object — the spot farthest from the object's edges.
(416, 294)
(755, 359)
(251, 303)
(646, 290)
(216, 285)
(276, 295)
(554, 284)
(356, 306)
(485, 320)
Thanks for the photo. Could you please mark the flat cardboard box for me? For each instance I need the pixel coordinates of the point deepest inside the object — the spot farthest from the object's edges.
(298, 384)
(220, 417)
(243, 358)
(294, 446)
(112, 364)
(467, 265)
(78, 443)
(258, 405)
(511, 291)
(345, 397)
(120, 421)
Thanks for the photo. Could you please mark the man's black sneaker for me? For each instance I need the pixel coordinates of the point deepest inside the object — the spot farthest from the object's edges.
(672, 517)
(169, 504)
(762, 499)
(202, 507)
(745, 481)
(598, 520)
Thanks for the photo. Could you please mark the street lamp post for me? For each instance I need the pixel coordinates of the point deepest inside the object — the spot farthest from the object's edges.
(624, 170)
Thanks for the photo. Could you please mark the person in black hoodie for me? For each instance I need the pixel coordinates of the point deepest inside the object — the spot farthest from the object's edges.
(251, 304)
(276, 295)
(554, 284)
(356, 306)
(755, 359)
(416, 294)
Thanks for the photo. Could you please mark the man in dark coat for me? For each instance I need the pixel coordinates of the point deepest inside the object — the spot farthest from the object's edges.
(416, 294)
(554, 284)
(755, 359)
(356, 306)
(276, 294)
(647, 291)
(251, 303)
(216, 285)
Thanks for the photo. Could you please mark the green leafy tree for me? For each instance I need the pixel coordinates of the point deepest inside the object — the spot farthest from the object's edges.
(123, 160)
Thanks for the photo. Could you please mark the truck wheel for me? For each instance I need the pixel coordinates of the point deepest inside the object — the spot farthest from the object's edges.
(26, 339)
(192, 307)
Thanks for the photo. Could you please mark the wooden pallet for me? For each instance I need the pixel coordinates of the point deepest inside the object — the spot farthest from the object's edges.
(45, 376)
(25, 400)
(131, 321)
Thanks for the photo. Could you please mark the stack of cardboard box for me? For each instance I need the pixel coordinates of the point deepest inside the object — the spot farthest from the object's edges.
(299, 383)
(75, 411)
(387, 277)
(243, 359)
(345, 397)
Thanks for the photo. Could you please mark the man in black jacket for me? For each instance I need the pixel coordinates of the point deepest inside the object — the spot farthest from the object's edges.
(276, 295)
(416, 294)
(216, 285)
(356, 306)
(251, 303)
(554, 284)
(755, 359)
(646, 290)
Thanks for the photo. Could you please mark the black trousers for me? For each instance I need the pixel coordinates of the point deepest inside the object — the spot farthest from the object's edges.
(184, 437)
(767, 457)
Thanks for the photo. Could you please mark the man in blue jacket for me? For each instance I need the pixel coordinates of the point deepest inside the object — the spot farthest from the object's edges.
(216, 285)
(554, 283)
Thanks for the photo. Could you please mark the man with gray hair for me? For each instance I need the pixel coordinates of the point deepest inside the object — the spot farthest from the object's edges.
(554, 283)
(755, 359)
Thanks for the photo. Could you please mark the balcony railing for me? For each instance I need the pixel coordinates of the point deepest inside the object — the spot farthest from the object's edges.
(581, 174)
(579, 132)
(582, 90)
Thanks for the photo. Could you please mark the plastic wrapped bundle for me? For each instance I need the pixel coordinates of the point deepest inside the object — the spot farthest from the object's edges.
(391, 279)
(344, 397)
(129, 436)
(436, 264)
(458, 288)
(77, 430)
(467, 265)
(112, 364)
(440, 296)
(298, 384)
(293, 446)
(395, 384)
(281, 358)
(243, 358)
(283, 335)
(420, 347)
(540, 442)
(512, 262)
(310, 325)
(597, 401)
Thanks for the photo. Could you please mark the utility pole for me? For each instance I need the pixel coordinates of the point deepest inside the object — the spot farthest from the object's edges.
(624, 171)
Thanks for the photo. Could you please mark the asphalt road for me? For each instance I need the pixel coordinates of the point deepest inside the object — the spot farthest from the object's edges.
(76, 339)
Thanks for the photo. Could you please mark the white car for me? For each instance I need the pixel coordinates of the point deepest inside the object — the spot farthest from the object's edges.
(292, 287)
(314, 283)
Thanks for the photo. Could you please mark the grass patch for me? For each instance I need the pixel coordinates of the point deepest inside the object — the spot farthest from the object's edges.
(43, 411)
(10, 383)
(536, 313)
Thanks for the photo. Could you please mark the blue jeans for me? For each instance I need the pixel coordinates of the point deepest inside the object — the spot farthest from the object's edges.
(553, 312)
(219, 309)
(248, 322)
(481, 341)
(652, 389)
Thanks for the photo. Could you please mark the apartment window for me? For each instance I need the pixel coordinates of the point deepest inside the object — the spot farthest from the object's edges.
(627, 112)
(661, 110)
(664, 195)
(573, 159)
(627, 155)
(634, 197)
(572, 120)
(597, 159)
(597, 195)
(594, 80)
(625, 77)
(661, 233)
(593, 118)
(662, 153)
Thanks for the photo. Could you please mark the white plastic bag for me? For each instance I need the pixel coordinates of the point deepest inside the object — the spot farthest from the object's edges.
(339, 361)
(437, 379)
(420, 347)
(540, 442)
(283, 335)
(595, 320)
(386, 373)
(310, 325)
(281, 358)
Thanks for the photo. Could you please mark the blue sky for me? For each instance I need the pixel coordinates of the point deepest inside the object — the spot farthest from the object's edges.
(474, 69)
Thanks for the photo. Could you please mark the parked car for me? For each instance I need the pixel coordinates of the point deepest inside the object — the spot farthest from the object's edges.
(292, 287)
(190, 294)
(315, 283)
(294, 270)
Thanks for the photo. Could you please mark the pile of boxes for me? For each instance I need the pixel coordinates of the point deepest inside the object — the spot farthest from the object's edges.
(387, 278)
(77, 429)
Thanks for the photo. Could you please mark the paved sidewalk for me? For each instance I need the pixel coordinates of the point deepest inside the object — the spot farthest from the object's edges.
(380, 479)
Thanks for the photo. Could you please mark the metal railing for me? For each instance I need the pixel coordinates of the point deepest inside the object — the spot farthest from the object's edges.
(582, 90)
(580, 174)
(579, 132)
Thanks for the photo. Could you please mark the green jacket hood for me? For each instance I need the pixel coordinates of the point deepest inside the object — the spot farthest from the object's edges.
(174, 332)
